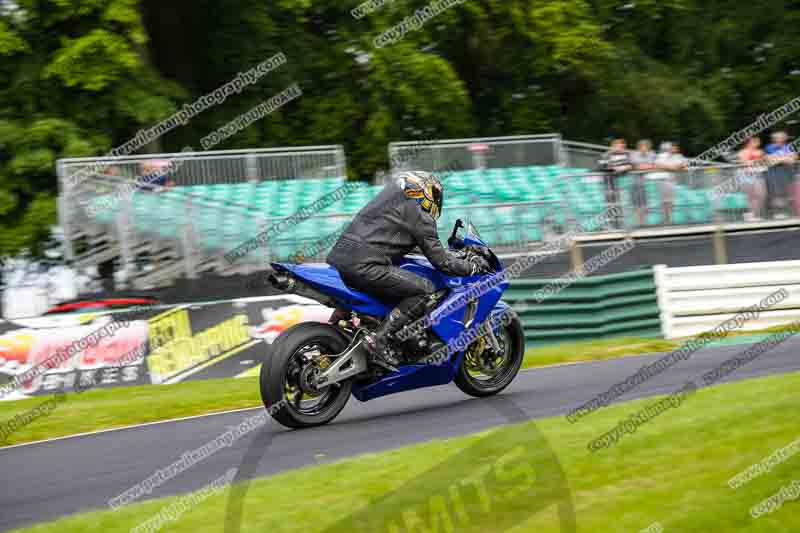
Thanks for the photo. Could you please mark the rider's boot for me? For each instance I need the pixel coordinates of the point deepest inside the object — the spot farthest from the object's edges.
(379, 342)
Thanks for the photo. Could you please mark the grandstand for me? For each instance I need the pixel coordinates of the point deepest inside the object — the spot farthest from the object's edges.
(519, 191)
(218, 200)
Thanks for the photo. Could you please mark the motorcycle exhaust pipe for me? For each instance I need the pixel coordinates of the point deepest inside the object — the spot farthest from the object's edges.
(285, 283)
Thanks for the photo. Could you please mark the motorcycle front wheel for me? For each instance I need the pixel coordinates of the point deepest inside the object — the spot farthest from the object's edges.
(485, 373)
(298, 355)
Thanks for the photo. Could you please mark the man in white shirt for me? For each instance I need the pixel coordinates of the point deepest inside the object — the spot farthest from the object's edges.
(643, 159)
(669, 160)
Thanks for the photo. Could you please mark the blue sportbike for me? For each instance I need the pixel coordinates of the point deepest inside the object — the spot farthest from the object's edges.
(313, 367)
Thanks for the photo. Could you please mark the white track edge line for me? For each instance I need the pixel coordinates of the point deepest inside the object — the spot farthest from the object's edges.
(170, 420)
(133, 426)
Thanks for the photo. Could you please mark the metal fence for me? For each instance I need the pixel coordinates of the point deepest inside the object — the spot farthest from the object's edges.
(182, 183)
(514, 226)
(476, 153)
(214, 167)
(581, 155)
(198, 219)
(507, 226)
(708, 194)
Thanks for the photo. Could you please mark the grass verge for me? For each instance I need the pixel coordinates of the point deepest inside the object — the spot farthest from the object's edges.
(118, 407)
(598, 350)
(673, 470)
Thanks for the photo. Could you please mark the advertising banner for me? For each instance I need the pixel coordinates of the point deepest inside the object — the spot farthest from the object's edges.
(166, 344)
(226, 338)
(117, 359)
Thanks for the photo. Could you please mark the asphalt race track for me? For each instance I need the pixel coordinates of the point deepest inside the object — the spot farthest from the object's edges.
(43, 481)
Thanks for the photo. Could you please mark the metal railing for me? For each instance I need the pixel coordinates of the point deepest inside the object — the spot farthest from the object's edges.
(213, 167)
(208, 221)
(580, 155)
(476, 153)
(701, 195)
(96, 200)
(586, 155)
(506, 225)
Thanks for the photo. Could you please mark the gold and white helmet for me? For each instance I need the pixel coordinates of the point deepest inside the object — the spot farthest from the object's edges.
(425, 188)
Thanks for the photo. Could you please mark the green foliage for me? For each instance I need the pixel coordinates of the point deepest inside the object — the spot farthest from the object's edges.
(10, 42)
(74, 81)
(79, 77)
(92, 62)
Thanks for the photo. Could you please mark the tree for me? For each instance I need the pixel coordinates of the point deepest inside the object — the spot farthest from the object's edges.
(73, 81)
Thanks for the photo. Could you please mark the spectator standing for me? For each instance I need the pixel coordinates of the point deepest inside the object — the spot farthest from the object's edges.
(780, 176)
(643, 159)
(751, 156)
(154, 175)
(669, 161)
(616, 163)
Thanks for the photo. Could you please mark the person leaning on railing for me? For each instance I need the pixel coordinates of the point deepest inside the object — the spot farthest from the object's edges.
(780, 175)
(670, 160)
(643, 159)
(154, 175)
(615, 164)
(750, 176)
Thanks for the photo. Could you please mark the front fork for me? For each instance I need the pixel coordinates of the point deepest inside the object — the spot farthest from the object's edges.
(493, 341)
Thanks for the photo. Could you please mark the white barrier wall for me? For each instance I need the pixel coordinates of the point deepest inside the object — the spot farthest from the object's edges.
(696, 299)
(25, 301)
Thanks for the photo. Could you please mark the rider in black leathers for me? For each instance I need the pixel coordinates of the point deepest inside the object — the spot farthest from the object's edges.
(402, 216)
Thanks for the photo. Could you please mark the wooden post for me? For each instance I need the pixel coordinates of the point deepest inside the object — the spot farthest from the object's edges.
(576, 256)
(720, 250)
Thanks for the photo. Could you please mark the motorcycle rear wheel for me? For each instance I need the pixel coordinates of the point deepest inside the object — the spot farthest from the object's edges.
(481, 374)
(285, 375)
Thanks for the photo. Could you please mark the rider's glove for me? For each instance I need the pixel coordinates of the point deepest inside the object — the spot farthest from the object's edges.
(478, 250)
(479, 265)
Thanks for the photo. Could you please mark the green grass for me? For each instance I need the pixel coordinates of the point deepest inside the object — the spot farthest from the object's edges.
(111, 408)
(597, 350)
(673, 470)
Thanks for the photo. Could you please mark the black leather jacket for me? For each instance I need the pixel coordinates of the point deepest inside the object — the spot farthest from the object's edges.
(389, 227)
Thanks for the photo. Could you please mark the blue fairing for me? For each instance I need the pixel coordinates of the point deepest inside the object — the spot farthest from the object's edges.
(412, 377)
(447, 319)
(327, 279)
